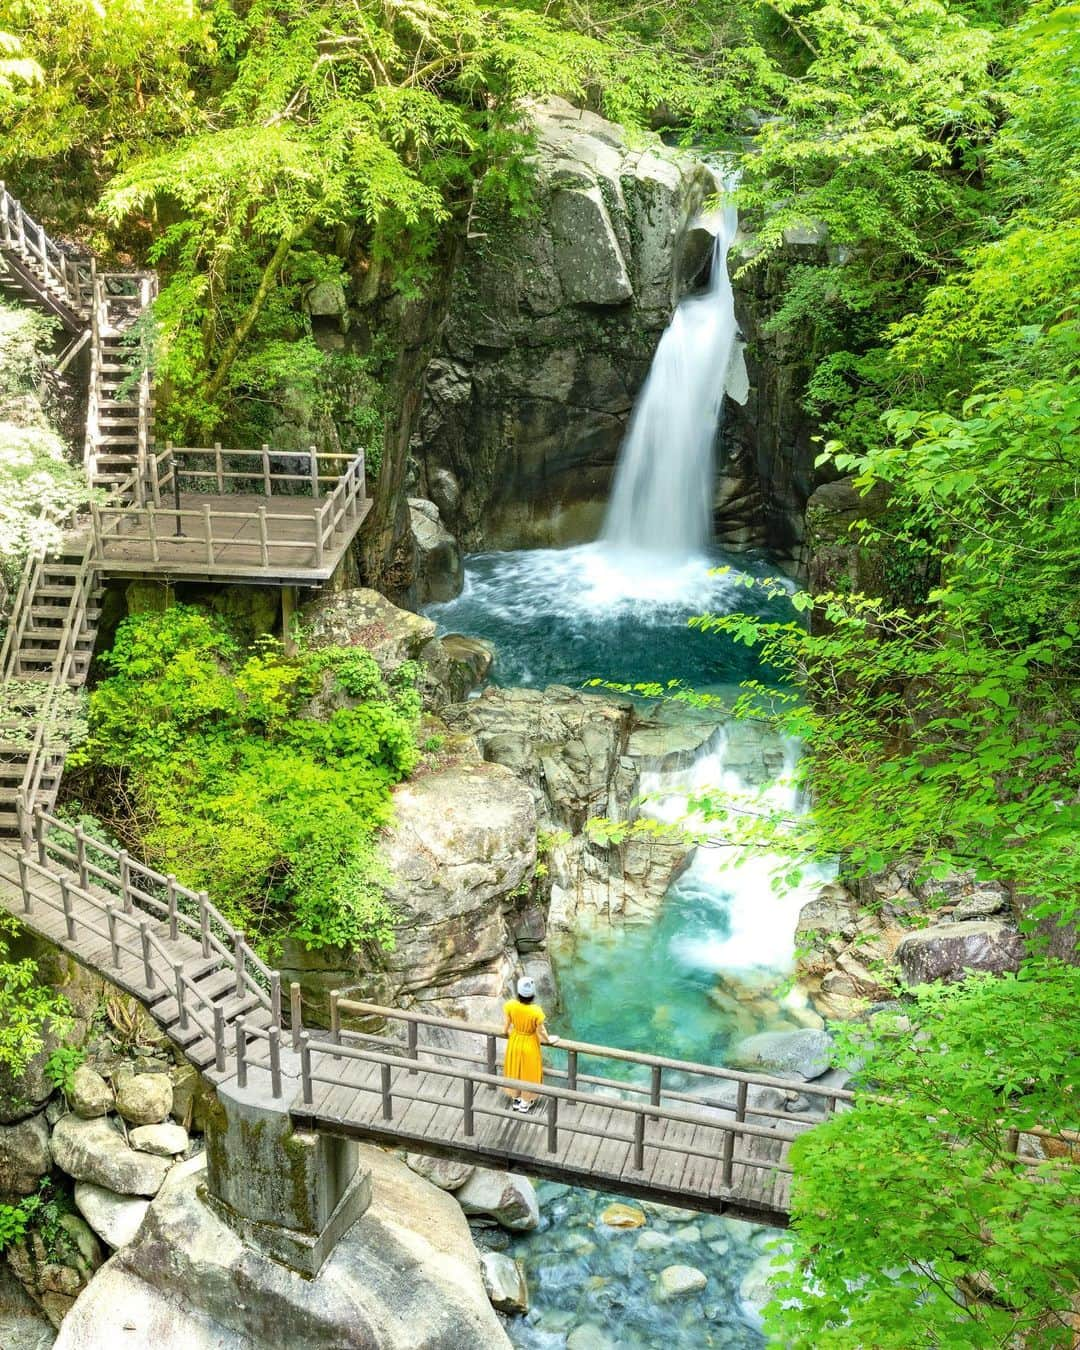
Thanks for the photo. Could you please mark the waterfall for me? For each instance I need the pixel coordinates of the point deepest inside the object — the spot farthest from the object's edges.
(661, 500)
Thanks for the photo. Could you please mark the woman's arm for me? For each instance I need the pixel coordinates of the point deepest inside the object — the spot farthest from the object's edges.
(542, 1032)
(508, 1026)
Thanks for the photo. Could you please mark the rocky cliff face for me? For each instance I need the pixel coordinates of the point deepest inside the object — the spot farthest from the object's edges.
(552, 323)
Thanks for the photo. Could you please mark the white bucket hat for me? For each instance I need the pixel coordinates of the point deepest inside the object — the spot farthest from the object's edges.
(526, 987)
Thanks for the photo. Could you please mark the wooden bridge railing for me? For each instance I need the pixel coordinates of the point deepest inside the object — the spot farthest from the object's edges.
(263, 472)
(106, 880)
(321, 1058)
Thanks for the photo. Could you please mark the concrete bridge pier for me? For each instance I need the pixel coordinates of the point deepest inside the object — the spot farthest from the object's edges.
(290, 1193)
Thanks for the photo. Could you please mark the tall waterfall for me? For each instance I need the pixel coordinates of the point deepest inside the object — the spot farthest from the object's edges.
(661, 500)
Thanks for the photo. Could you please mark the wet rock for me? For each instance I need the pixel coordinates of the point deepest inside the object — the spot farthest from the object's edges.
(678, 1281)
(144, 1098)
(470, 660)
(24, 1156)
(949, 951)
(623, 1216)
(23, 1326)
(651, 1241)
(114, 1218)
(405, 1276)
(805, 1054)
(508, 1199)
(442, 1172)
(588, 1336)
(90, 1095)
(92, 1150)
(165, 1140)
(504, 1281)
(438, 570)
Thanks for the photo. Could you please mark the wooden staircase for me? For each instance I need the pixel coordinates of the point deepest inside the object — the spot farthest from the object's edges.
(119, 412)
(38, 270)
(47, 650)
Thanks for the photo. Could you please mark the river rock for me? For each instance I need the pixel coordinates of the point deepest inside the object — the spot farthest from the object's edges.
(438, 570)
(114, 1218)
(445, 1173)
(90, 1095)
(503, 1196)
(588, 1336)
(678, 1281)
(805, 1054)
(24, 1094)
(623, 1216)
(144, 1098)
(504, 1280)
(92, 1150)
(470, 660)
(405, 1276)
(949, 951)
(165, 1140)
(24, 1156)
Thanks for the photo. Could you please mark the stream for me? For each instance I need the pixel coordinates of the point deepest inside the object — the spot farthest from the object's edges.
(706, 972)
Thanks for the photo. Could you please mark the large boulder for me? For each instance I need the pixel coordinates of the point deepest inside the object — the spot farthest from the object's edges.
(552, 324)
(24, 1156)
(144, 1098)
(93, 1150)
(23, 1326)
(949, 951)
(438, 570)
(508, 1199)
(90, 1095)
(802, 1054)
(114, 1218)
(404, 1277)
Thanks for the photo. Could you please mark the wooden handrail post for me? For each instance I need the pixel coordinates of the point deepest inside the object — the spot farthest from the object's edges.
(148, 969)
(728, 1153)
(24, 883)
(384, 1087)
(467, 1105)
(219, 1039)
(275, 997)
(24, 821)
(411, 1038)
(295, 1014)
(335, 1016)
(151, 518)
(264, 539)
(241, 1054)
(114, 941)
(125, 880)
(240, 957)
(208, 527)
(305, 1069)
(489, 1046)
(639, 1142)
(275, 1061)
(553, 1125)
(313, 464)
(80, 856)
(219, 468)
(39, 831)
(204, 922)
(170, 884)
(267, 487)
(655, 1082)
(181, 995)
(571, 1070)
(65, 900)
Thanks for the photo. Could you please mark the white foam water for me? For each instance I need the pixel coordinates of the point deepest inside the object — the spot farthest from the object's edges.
(661, 499)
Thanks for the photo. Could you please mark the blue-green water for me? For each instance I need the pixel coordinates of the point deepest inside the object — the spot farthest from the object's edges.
(702, 975)
(563, 616)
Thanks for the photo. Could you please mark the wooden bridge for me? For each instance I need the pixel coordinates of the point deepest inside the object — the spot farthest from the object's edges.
(694, 1135)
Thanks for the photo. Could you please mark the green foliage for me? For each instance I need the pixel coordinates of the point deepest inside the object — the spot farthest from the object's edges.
(259, 777)
(914, 1225)
(38, 486)
(61, 1065)
(41, 1212)
(27, 1007)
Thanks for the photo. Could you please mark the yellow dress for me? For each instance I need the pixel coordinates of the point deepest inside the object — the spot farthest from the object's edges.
(523, 1044)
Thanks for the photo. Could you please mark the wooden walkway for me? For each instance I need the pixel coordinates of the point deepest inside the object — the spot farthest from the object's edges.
(695, 1135)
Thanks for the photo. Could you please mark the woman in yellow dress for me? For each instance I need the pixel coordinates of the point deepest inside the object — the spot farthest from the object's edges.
(524, 1031)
